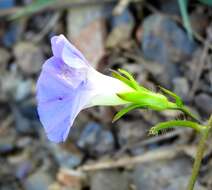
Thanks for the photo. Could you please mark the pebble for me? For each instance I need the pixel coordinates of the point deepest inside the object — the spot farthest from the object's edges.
(181, 87)
(24, 88)
(87, 30)
(204, 103)
(120, 23)
(131, 131)
(39, 180)
(66, 158)
(96, 140)
(29, 57)
(109, 180)
(164, 175)
(71, 178)
(5, 56)
(164, 41)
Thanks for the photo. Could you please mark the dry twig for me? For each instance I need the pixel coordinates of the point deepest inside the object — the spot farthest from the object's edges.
(153, 155)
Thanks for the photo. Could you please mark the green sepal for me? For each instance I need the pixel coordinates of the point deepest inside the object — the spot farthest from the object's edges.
(132, 80)
(124, 111)
(150, 100)
(178, 100)
(123, 79)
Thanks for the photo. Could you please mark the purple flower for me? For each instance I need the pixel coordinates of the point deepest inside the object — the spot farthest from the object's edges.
(67, 84)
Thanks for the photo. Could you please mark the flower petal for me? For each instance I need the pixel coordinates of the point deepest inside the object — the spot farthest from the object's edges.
(59, 101)
(71, 56)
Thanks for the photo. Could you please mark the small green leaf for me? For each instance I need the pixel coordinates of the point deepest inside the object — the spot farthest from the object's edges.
(178, 100)
(125, 110)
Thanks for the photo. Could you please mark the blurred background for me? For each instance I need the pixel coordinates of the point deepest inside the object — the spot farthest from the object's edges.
(162, 42)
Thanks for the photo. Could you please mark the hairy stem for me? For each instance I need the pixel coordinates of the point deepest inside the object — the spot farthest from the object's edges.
(199, 155)
(177, 123)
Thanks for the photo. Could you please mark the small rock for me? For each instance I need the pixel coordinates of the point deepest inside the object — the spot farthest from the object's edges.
(70, 178)
(181, 87)
(6, 149)
(5, 56)
(163, 40)
(29, 57)
(12, 34)
(39, 180)
(8, 85)
(23, 170)
(170, 7)
(24, 88)
(87, 30)
(95, 139)
(131, 131)
(5, 4)
(204, 103)
(166, 43)
(109, 180)
(22, 124)
(66, 158)
(199, 20)
(120, 23)
(163, 175)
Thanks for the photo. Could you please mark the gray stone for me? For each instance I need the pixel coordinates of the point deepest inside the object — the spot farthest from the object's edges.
(164, 175)
(181, 87)
(204, 103)
(66, 158)
(29, 57)
(24, 88)
(40, 180)
(133, 131)
(120, 23)
(163, 40)
(96, 140)
(109, 180)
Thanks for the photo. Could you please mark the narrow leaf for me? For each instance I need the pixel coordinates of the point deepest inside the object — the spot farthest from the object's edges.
(133, 81)
(177, 98)
(123, 79)
(125, 110)
(183, 4)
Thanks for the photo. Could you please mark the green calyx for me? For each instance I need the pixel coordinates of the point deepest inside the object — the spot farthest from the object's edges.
(144, 98)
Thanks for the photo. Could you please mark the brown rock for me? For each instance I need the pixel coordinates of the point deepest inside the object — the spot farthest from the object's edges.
(29, 57)
(86, 29)
(71, 178)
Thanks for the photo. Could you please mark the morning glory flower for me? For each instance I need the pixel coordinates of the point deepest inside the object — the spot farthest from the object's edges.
(68, 84)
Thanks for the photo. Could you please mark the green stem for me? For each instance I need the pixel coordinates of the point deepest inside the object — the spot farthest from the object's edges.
(177, 123)
(199, 155)
(198, 160)
(186, 111)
